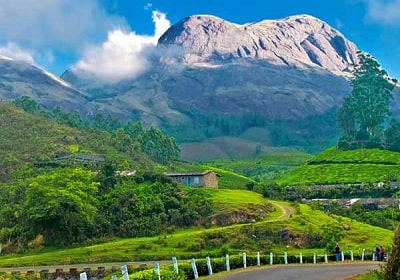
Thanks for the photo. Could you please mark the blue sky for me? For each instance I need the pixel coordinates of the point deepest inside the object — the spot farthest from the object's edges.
(91, 34)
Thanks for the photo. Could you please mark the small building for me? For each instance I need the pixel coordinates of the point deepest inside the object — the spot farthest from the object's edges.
(207, 179)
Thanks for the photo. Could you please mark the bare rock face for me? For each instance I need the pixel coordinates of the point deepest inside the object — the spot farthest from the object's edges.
(296, 41)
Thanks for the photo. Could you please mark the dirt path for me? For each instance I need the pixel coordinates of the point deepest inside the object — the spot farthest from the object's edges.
(286, 211)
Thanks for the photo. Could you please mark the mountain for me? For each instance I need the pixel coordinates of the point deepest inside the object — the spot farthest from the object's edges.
(220, 87)
(22, 79)
(212, 78)
(296, 40)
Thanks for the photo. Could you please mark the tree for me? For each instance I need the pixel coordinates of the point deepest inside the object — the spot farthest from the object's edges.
(61, 205)
(393, 136)
(364, 111)
(392, 268)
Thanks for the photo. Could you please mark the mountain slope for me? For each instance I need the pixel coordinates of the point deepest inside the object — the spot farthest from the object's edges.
(26, 139)
(22, 79)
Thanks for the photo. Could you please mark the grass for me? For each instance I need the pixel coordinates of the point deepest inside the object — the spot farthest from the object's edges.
(214, 241)
(268, 166)
(226, 180)
(376, 156)
(358, 166)
(372, 275)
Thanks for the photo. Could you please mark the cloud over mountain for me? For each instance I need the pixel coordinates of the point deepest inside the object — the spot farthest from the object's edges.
(13, 51)
(124, 54)
(33, 30)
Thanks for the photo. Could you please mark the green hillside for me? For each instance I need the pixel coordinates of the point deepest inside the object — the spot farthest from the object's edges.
(266, 167)
(26, 139)
(226, 180)
(306, 231)
(334, 166)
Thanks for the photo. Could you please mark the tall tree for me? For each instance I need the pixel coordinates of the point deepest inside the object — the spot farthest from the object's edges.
(392, 269)
(364, 111)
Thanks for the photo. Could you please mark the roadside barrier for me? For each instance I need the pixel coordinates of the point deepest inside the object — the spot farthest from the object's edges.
(196, 267)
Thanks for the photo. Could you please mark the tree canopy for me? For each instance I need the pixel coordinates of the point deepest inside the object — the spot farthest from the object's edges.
(364, 111)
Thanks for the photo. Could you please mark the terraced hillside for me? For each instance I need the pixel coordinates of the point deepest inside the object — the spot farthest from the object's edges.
(334, 166)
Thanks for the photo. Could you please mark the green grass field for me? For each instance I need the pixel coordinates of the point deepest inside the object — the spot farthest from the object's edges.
(357, 166)
(215, 241)
(265, 167)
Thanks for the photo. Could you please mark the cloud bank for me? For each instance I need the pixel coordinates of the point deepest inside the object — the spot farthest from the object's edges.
(385, 12)
(123, 55)
(42, 26)
(12, 50)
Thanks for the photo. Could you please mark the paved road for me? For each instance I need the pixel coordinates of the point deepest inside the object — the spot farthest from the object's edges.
(303, 272)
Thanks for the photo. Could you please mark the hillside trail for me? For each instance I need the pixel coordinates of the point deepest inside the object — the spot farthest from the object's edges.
(286, 211)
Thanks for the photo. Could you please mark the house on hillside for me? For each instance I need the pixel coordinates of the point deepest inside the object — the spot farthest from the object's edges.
(206, 179)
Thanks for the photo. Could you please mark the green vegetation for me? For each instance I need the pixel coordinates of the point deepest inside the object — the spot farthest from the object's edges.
(41, 128)
(69, 206)
(226, 180)
(265, 167)
(356, 166)
(301, 229)
(311, 134)
(363, 112)
(392, 268)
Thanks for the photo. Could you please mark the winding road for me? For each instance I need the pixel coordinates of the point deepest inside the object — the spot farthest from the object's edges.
(303, 272)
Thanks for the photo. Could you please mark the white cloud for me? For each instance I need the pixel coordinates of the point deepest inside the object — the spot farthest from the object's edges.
(62, 24)
(124, 54)
(13, 51)
(384, 11)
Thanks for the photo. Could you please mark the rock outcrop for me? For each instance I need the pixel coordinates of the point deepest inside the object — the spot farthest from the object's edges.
(296, 41)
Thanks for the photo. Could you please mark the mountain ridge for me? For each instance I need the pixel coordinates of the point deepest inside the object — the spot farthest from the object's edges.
(289, 41)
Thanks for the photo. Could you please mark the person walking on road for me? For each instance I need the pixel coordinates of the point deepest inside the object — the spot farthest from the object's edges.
(381, 253)
(337, 252)
(377, 252)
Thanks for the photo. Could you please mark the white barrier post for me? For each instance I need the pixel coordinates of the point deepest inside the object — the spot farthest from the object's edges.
(210, 272)
(258, 258)
(271, 258)
(124, 271)
(244, 260)
(83, 276)
(326, 258)
(342, 256)
(301, 258)
(351, 255)
(314, 258)
(285, 258)
(157, 270)
(175, 263)
(194, 268)
(363, 254)
(228, 266)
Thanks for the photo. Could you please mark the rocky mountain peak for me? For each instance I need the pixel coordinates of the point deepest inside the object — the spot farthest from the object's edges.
(300, 40)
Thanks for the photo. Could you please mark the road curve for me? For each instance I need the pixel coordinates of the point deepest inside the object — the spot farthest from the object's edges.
(303, 272)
